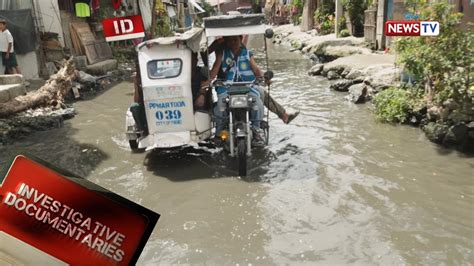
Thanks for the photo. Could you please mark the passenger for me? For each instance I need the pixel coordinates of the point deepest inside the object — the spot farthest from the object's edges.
(200, 93)
(235, 64)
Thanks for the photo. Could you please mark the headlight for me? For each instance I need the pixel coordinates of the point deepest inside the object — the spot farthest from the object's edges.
(238, 101)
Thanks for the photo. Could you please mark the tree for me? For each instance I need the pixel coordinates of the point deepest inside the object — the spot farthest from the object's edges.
(308, 13)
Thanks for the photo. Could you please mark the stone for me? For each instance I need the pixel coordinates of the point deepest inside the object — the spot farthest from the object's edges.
(11, 79)
(435, 132)
(457, 115)
(342, 85)
(101, 68)
(456, 135)
(16, 90)
(4, 95)
(450, 104)
(80, 62)
(10, 91)
(332, 75)
(358, 93)
(316, 69)
(345, 50)
(354, 74)
(382, 76)
(86, 78)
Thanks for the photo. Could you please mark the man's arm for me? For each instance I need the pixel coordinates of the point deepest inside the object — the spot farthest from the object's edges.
(256, 70)
(217, 65)
(8, 50)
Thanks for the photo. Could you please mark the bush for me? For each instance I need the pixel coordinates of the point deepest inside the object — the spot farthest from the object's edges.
(393, 105)
(344, 33)
(442, 65)
(324, 17)
(355, 9)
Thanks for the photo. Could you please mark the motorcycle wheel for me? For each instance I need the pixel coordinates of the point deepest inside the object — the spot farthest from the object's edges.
(242, 156)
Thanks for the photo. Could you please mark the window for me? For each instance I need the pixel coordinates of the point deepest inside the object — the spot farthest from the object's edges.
(163, 69)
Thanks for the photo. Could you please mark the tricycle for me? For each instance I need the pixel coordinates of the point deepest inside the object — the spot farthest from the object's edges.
(166, 114)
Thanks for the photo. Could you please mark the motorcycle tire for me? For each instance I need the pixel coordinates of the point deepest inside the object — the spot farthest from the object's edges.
(242, 156)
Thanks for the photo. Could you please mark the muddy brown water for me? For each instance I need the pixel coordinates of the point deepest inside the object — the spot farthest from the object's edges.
(333, 187)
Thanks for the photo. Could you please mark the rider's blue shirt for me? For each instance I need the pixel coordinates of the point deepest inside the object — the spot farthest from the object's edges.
(240, 69)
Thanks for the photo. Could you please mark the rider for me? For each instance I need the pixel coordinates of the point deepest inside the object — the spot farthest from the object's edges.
(267, 99)
(234, 63)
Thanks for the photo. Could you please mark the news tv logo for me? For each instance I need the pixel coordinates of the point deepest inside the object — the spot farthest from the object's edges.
(411, 28)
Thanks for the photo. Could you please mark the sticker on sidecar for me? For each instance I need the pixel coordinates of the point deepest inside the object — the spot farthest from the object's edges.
(163, 92)
(168, 113)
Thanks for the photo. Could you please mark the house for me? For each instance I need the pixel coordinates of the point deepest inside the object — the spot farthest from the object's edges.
(32, 17)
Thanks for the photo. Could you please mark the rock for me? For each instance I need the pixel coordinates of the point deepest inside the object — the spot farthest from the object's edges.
(345, 50)
(450, 104)
(10, 91)
(345, 72)
(67, 113)
(86, 78)
(358, 93)
(316, 69)
(382, 77)
(342, 85)
(456, 135)
(332, 75)
(435, 132)
(101, 68)
(456, 115)
(354, 74)
(80, 62)
(11, 79)
(314, 58)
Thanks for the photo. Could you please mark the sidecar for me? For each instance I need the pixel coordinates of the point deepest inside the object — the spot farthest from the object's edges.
(165, 118)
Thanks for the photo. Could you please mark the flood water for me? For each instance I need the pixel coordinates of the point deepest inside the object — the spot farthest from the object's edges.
(333, 187)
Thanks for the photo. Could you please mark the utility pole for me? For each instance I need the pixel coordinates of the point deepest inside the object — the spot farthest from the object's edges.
(338, 16)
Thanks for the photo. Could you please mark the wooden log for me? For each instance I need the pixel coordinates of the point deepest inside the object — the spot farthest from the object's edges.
(51, 94)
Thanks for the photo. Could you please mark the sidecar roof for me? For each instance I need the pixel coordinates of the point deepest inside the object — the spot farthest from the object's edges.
(191, 38)
(231, 25)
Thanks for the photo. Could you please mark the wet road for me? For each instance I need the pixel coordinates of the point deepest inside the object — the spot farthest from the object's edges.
(334, 187)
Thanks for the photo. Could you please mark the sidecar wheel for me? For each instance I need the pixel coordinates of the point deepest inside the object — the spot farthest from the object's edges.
(134, 145)
(242, 156)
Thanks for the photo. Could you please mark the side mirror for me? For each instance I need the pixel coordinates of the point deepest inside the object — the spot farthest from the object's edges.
(204, 71)
(268, 33)
(268, 75)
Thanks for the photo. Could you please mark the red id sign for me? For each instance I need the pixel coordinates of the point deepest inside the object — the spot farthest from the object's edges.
(123, 28)
(70, 218)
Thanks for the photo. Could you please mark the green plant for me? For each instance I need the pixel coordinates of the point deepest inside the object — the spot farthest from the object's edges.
(441, 65)
(324, 17)
(393, 105)
(355, 9)
(208, 8)
(344, 33)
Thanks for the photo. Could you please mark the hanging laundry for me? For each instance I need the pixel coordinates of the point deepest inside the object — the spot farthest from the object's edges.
(83, 10)
(95, 4)
(116, 4)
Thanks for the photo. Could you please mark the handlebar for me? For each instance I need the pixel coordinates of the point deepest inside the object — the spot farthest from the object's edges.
(225, 83)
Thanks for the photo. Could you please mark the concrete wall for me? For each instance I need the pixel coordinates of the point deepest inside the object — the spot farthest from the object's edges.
(49, 11)
(28, 65)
